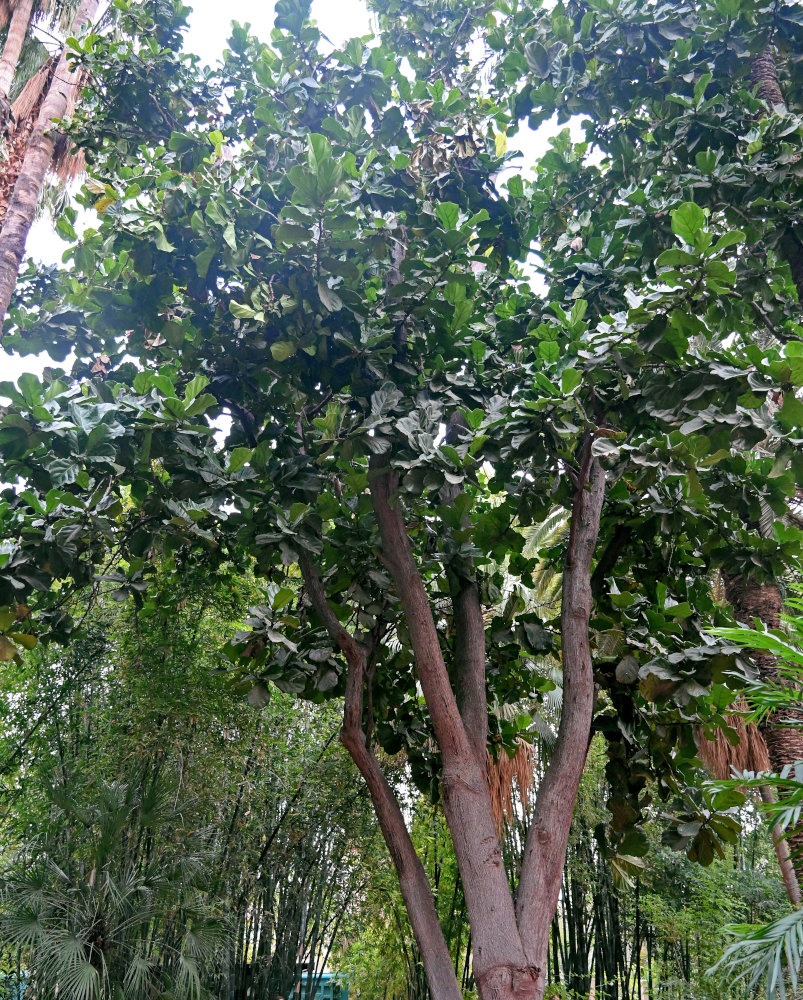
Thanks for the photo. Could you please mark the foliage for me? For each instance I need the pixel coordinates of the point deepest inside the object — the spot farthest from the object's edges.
(94, 922)
(250, 816)
(327, 259)
(275, 232)
(773, 951)
(381, 957)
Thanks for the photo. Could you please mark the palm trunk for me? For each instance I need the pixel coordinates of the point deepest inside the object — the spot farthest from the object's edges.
(752, 600)
(17, 33)
(38, 157)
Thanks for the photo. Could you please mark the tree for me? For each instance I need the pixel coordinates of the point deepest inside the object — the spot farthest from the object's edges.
(327, 260)
(157, 829)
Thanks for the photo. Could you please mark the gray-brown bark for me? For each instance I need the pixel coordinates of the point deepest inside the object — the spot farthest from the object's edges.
(38, 157)
(765, 77)
(545, 849)
(413, 880)
(469, 654)
(17, 31)
(502, 968)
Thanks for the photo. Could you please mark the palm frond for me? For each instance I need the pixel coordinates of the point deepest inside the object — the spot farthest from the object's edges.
(772, 952)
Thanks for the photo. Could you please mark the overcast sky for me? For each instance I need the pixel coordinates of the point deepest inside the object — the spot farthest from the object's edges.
(211, 21)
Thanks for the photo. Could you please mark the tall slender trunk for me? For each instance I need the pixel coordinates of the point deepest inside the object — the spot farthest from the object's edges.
(38, 157)
(753, 600)
(17, 33)
(750, 598)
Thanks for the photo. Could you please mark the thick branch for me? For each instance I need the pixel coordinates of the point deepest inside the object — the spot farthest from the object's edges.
(413, 880)
(501, 965)
(398, 556)
(469, 645)
(545, 850)
(469, 667)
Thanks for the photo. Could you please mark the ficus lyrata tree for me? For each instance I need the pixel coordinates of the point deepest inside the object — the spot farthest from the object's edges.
(329, 258)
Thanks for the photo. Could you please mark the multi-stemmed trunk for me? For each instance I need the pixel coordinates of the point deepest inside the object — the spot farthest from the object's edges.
(509, 939)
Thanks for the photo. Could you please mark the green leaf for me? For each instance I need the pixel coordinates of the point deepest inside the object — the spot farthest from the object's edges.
(330, 298)
(238, 458)
(162, 241)
(318, 152)
(569, 380)
(241, 311)
(281, 350)
(549, 350)
(675, 257)
(290, 234)
(448, 214)
(729, 239)
(537, 59)
(194, 386)
(203, 261)
(687, 221)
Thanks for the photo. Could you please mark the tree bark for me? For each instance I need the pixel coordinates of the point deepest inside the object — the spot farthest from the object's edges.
(469, 651)
(17, 33)
(38, 157)
(502, 968)
(545, 849)
(753, 600)
(765, 77)
(413, 880)
(783, 855)
(510, 943)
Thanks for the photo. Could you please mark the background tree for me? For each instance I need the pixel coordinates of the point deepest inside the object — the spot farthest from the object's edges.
(159, 832)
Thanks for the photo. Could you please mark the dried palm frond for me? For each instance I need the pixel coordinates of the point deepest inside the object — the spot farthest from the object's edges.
(749, 753)
(68, 162)
(501, 776)
(31, 95)
(58, 14)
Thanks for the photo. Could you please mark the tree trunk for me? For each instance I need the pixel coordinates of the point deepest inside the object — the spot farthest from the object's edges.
(502, 968)
(753, 600)
(38, 157)
(545, 850)
(17, 33)
(510, 943)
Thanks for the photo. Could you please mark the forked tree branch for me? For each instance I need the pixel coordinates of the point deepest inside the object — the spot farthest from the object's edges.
(545, 849)
(413, 879)
(501, 964)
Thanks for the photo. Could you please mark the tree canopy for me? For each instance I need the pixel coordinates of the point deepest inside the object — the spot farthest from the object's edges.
(326, 326)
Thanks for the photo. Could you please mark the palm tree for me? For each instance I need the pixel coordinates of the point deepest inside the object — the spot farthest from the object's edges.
(117, 906)
(34, 145)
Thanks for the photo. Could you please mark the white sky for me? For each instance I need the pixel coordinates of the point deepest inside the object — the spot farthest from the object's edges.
(210, 27)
